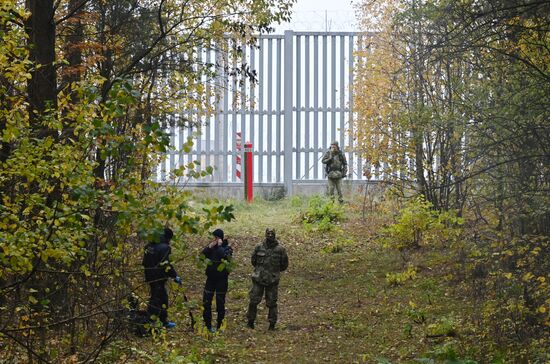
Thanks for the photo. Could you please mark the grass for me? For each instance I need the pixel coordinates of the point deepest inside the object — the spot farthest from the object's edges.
(335, 305)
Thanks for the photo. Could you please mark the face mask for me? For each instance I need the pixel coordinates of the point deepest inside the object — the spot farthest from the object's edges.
(270, 236)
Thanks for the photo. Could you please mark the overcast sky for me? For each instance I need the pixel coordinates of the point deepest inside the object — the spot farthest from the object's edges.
(321, 15)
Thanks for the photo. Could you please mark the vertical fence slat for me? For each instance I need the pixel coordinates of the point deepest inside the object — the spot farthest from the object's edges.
(315, 106)
(219, 115)
(325, 92)
(234, 98)
(342, 90)
(242, 100)
(333, 88)
(186, 133)
(298, 106)
(359, 159)
(208, 151)
(251, 107)
(350, 105)
(307, 105)
(269, 108)
(278, 106)
(172, 153)
(180, 145)
(173, 146)
(288, 100)
(261, 113)
(224, 127)
(197, 146)
(163, 160)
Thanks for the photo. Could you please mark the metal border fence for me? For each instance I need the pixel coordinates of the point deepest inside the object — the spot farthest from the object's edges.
(301, 102)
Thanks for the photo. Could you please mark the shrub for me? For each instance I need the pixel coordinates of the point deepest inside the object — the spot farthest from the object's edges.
(417, 223)
(445, 326)
(322, 214)
(395, 279)
(516, 288)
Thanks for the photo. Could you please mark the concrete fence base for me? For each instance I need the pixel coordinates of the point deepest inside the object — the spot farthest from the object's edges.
(277, 191)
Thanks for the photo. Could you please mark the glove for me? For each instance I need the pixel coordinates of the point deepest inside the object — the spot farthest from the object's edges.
(178, 280)
(228, 251)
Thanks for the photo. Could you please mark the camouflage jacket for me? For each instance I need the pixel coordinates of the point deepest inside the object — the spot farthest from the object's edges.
(268, 262)
(335, 162)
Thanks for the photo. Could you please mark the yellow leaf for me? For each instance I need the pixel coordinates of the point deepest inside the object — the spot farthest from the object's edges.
(527, 276)
(508, 275)
(542, 309)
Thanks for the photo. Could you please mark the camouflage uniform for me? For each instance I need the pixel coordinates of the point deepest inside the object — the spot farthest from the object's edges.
(269, 259)
(336, 168)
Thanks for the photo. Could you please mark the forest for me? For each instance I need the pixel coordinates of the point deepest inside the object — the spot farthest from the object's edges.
(447, 262)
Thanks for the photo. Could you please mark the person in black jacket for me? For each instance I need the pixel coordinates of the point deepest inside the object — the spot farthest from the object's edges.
(218, 256)
(156, 263)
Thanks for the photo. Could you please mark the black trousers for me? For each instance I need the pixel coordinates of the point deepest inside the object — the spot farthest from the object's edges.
(158, 302)
(217, 286)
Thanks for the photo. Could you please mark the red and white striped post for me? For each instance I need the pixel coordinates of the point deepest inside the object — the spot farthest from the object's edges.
(248, 176)
(238, 161)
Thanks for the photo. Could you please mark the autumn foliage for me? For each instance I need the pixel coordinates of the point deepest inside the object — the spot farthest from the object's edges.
(451, 104)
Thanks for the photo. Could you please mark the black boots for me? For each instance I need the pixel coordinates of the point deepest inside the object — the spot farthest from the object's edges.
(250, 325)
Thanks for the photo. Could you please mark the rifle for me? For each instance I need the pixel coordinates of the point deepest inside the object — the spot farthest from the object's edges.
(190, 313)
(186, 300)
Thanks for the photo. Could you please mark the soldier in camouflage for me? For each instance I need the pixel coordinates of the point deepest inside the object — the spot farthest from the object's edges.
(336, 168)
(269, 260)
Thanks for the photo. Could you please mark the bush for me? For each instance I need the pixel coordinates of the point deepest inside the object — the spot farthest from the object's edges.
(417, 223)
(395, 279)
(516, 288)
(322, 214)
(445, 326)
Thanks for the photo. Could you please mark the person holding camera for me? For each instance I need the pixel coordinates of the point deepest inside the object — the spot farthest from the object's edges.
(218, 256)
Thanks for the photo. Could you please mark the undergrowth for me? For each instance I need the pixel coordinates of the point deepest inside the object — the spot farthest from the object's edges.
(322, 214)
(348, 298)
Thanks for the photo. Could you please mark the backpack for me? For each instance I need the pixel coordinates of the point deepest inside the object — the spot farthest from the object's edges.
(138, 321)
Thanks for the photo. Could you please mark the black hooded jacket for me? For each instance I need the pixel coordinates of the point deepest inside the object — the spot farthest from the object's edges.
(215, 255)
(156, 262)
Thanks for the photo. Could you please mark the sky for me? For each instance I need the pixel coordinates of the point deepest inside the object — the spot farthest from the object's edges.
(321, 15)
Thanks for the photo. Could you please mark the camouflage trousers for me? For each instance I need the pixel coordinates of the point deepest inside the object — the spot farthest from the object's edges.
(335, 184)
(256, 293)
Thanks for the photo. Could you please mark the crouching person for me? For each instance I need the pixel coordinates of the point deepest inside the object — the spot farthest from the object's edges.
(269, 260)
(218, 255)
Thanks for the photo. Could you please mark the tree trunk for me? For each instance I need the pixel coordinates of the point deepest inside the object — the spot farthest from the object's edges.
(72, 73)
(42, 87)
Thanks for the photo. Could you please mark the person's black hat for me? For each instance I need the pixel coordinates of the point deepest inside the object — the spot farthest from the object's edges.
(218, 233)
(168, 233)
